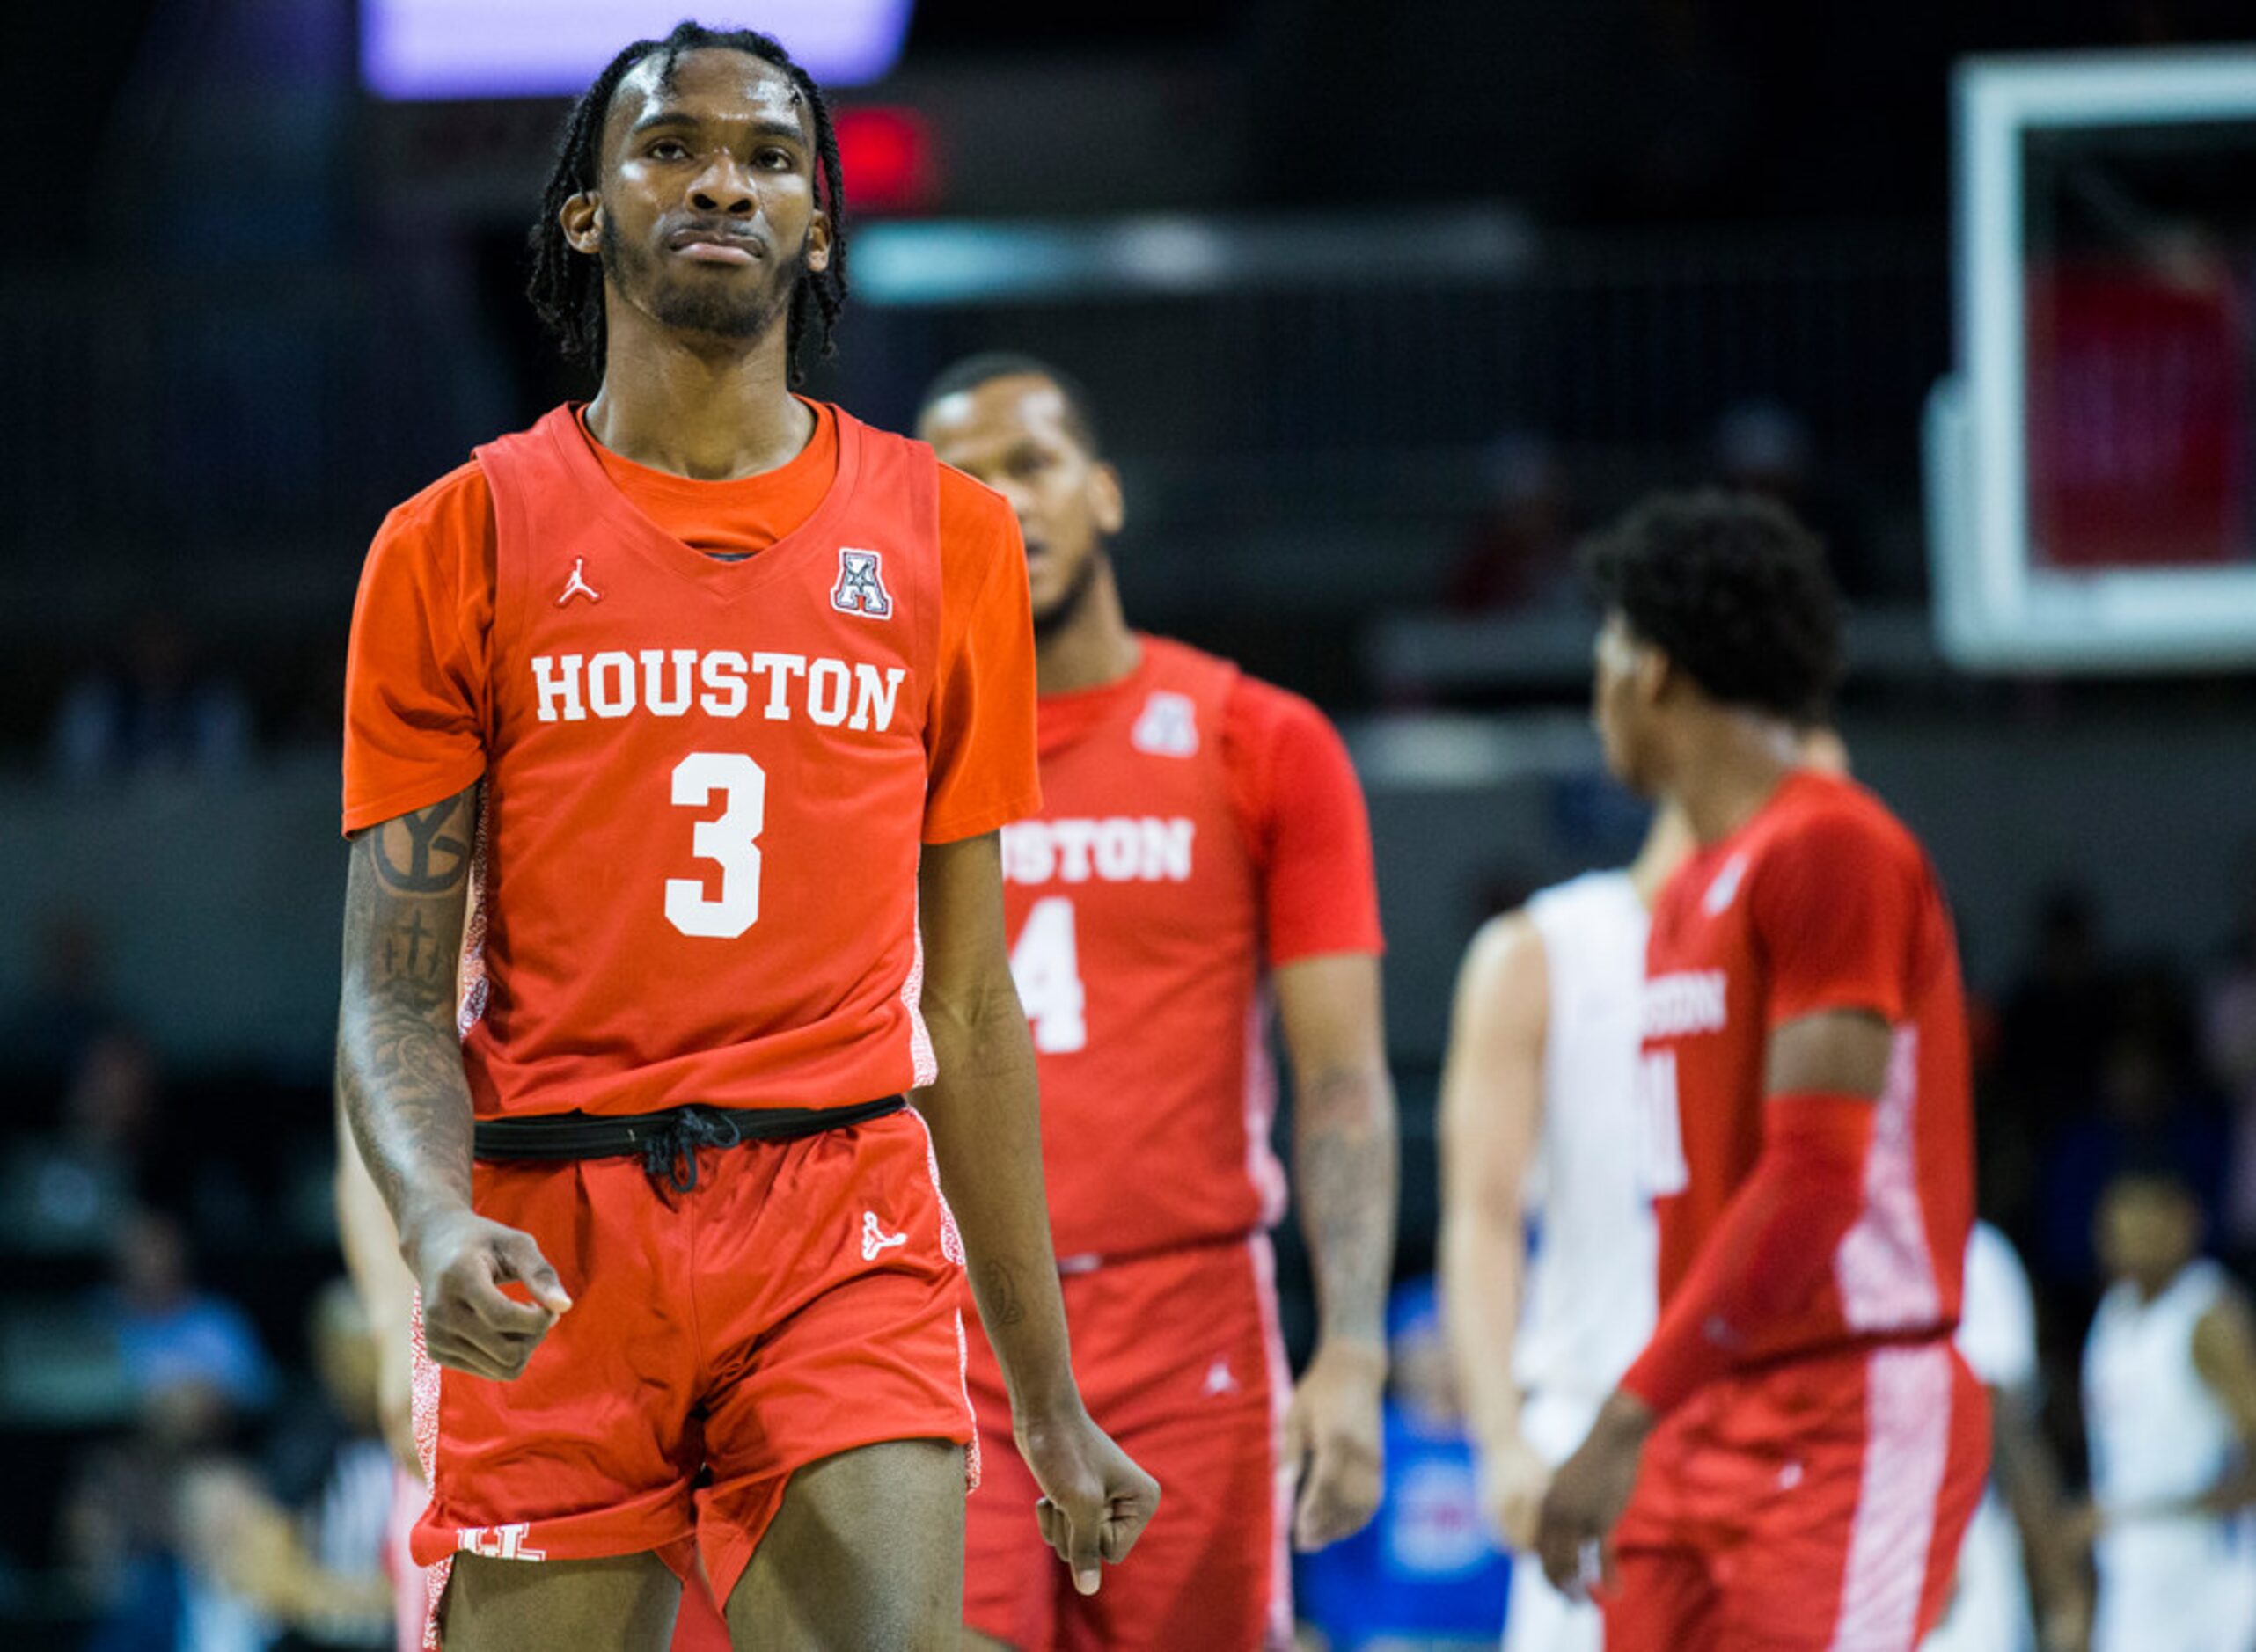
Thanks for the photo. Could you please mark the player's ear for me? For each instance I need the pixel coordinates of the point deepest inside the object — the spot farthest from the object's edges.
(1107, 503)
(1656, 675)
(819, 242)
(581, 219)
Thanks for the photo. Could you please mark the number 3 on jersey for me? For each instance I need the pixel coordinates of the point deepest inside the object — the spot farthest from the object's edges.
(732, 839)
(1046, 965)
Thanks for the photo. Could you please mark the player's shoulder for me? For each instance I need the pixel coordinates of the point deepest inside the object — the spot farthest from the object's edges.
(1504, 947)
(1829, 816)
(2225, 1330)
(1576, 899)
(462, 492)
(1505, 977)
(978, 528)
(969, 508)
(450, 520)
(1260, 709)
(1992, 1261)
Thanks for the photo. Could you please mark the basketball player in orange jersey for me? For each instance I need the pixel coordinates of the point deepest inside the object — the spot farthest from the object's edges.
(1812, 1443)
(688, 719)
(1201, 847)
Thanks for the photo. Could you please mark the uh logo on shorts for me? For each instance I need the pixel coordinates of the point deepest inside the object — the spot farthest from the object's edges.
(498, 1542)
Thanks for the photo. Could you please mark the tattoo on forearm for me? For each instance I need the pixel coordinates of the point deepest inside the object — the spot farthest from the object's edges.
(999, 1300)
(1345, 1166)
(398, 1059)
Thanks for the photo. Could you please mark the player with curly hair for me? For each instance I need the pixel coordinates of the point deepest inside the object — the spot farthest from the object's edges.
(1805, 1443)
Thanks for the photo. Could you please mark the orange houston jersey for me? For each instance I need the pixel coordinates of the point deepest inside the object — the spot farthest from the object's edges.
(1198, 827)
(706, 781)
(1823, 901)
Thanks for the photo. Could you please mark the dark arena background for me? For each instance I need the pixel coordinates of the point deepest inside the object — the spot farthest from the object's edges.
(1384, 306)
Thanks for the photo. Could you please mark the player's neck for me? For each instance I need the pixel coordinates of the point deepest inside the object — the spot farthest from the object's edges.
(1729, 764)
(2153, 1287)
(1092, 647)
(713, 416)
(1667, 841)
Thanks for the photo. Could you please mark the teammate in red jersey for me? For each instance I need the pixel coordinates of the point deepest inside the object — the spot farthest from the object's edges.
(1201, 848)
(1812, 1445)
(686, 721)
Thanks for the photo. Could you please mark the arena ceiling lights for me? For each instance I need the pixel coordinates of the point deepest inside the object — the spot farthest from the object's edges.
(458, 49)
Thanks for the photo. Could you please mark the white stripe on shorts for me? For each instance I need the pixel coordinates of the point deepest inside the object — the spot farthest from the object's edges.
(1907, 1448)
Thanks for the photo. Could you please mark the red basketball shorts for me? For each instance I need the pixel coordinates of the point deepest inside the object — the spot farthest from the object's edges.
(801, 1301)
(1180, 1361)
(1814, 1504)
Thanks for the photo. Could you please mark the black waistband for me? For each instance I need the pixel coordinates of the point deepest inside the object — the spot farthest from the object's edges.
(668, 1141)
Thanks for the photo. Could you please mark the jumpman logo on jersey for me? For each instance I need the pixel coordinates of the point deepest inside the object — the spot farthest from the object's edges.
(578, 585)
(875, 1239)
(1220, 1379)
(1725, 889)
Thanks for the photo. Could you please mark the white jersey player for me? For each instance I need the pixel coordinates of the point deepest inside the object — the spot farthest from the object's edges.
(1539, 1118)
(2169, 1409)
(2018, 1533)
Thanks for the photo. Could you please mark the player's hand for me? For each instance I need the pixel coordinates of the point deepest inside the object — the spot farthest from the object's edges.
(461, 1262)
(1514, 1480)
(1096, 1502)
(1335, 1442)
(1575, 1529)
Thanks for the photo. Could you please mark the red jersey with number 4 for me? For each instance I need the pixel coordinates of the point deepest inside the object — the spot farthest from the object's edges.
(705, 780)
(1824, 900)
(1199, 828)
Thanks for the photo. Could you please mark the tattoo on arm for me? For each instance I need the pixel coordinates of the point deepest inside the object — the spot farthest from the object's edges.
(1000, 1304)
(1343, 1153)
(399, 1069)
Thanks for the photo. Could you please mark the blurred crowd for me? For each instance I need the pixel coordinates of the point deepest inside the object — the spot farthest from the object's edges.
(187, 1386)
(214, 1476)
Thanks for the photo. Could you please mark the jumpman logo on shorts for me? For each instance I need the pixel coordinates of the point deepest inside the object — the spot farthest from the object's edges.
(875, 1239)
(578, 585)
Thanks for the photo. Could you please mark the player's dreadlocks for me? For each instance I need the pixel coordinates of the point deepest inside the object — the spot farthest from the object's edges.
(566, 287)
(1734, 590)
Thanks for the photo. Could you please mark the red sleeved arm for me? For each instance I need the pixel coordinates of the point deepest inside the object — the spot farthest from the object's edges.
(1836, 906)
(416, 673)
(1302, 808)
(979, 733)
(1773, 1247)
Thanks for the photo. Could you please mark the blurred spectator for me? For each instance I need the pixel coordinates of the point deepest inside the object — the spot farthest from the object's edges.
(2149, 1112)
(2229, 1044)
(310, 1549)
(1521, 549)
(2056, 1020)
(171, 1334)
(71, 1191)
(1423, 1572)
(128, 1517)
(69, 1006)
(1765, 446)
(150, 712)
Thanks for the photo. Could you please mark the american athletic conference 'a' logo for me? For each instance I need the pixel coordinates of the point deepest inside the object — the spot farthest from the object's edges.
(861, 589)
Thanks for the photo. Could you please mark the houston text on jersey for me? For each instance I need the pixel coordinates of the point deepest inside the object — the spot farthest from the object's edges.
(1117, 848)
(666, 681)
